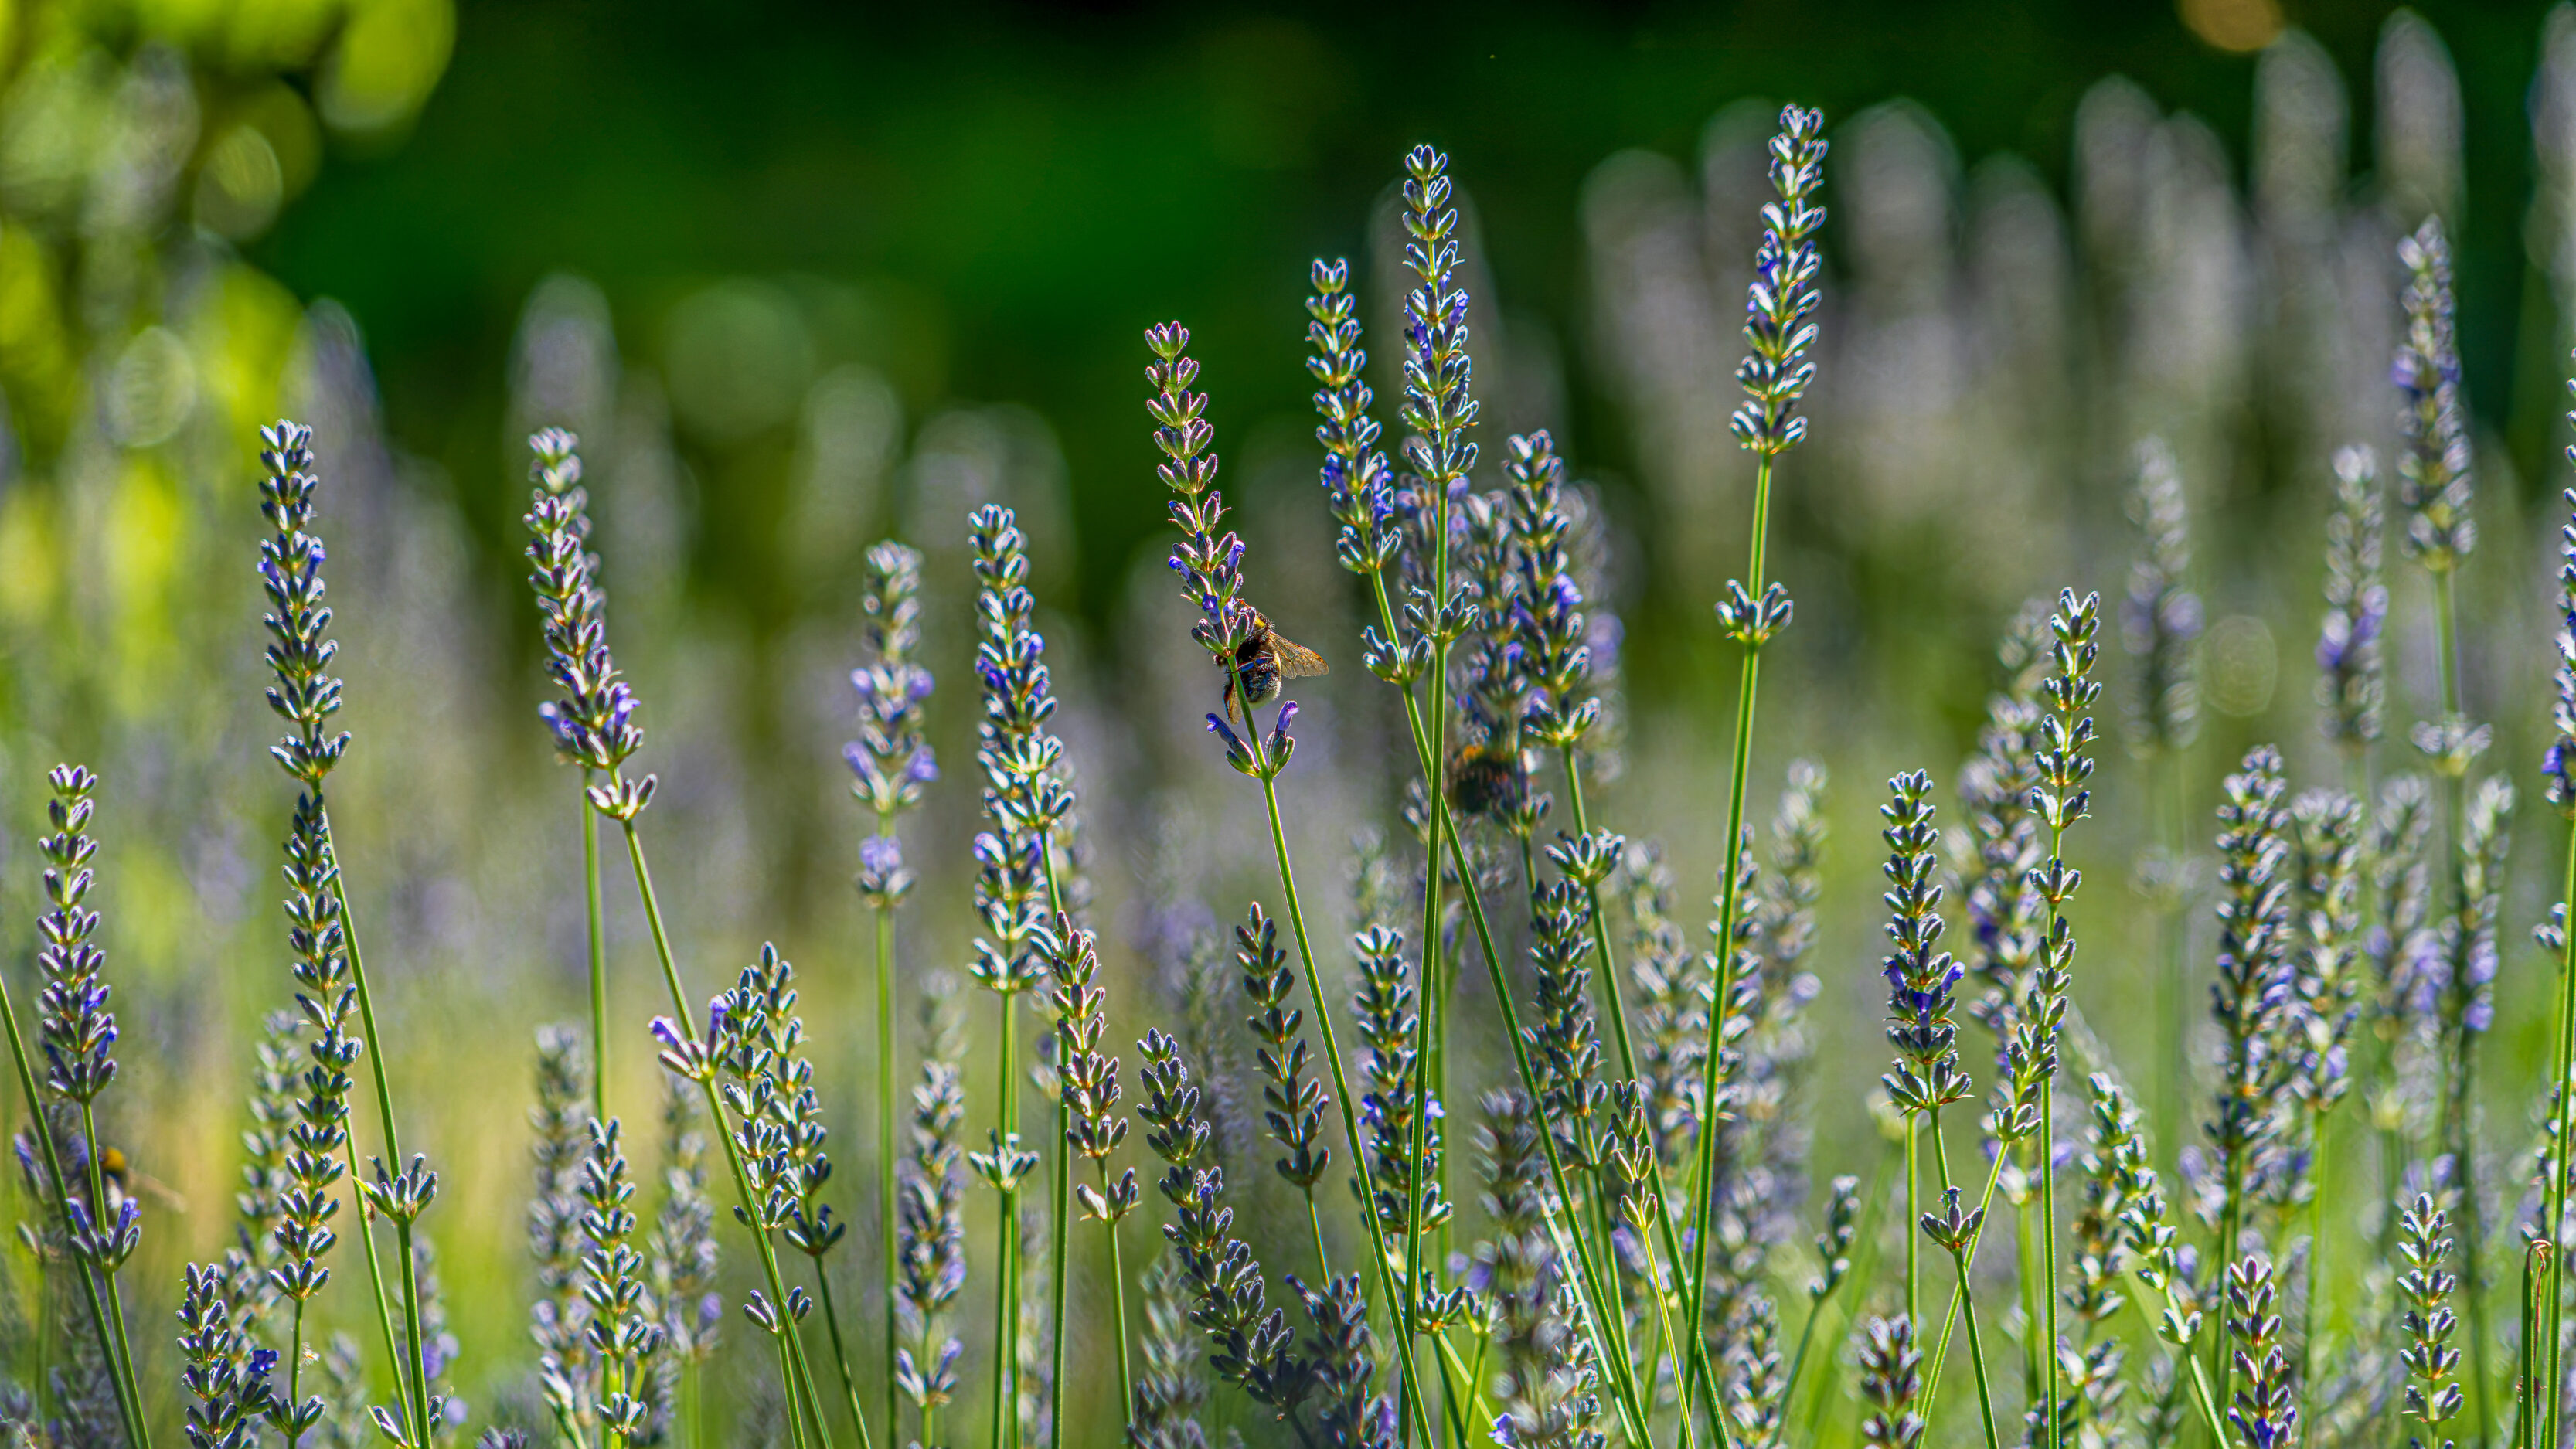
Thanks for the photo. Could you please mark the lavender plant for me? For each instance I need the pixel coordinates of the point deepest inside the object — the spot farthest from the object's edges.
(78, 1035)
(329, 967)
(593, 724)
(894, 765)
(2160, 624)
(1018, 887)
(1778, 326)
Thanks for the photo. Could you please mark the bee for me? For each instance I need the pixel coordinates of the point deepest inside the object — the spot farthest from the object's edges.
(1264, 658)
(1490, 779)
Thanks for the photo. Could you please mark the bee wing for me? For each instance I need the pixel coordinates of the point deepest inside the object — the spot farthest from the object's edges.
(1295, 661)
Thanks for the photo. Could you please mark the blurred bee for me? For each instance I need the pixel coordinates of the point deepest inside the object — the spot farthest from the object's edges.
(1264, 658)
(1490, 779)
(124, 1180)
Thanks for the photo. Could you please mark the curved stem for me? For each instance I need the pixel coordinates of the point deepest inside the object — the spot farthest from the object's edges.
(841, 1355)
(799, 1374)
(1730, 903)
(129, 1401)
(598, 934)
(413, 1369)
(1118, 1303)
(1410, 1380)
(2563, 1112)
(887, 1151)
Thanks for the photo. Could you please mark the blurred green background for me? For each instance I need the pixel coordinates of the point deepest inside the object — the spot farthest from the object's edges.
(805, 276)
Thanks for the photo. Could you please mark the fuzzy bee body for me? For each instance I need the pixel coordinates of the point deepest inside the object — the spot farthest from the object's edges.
(1263, 659)
(1490, 780)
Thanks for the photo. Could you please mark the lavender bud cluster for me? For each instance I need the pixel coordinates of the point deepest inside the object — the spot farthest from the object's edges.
(2435, 483)
(891, 759)
(2352, 681)
(594, 722)
(1922, 979)
(2161, 619)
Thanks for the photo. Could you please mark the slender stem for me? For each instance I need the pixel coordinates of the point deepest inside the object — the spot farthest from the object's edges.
(294, 1367)
(1703, 1195)
(1664, 1324)
(376, 1278)
(1445, 827)
(122, 1362)
(1006, 1283)
(414, 1370)
(1118, 1302)
(2317, 1280)
(1913, 1211)
(886, 1149)
(129, 1401)
(1941, 1352)
(1431, 1024)
(1059, 1228)
(2564, 1113)
(1410, 1381)
(795, 1410)
(2181, 1359)
(799, 1375)
(412, 1338)
(1977, 1354)
(598, 953)
(841, 1355)
(1622, 1387)
(2050, 1407)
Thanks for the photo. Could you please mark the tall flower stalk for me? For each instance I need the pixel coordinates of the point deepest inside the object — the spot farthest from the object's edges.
(329, 966)
(590, 723)
(1090, 1078)
(2251, 999)
(2559, 765)
(2059, 800)
(2436, 485)
(1210, 564)
(893, 764)
(1778, 325)
(77, 1034)
(2160, 625)
(595, 724)
(1018, 891)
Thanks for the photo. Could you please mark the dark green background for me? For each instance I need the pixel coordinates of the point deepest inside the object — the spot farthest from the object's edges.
(1031, 185)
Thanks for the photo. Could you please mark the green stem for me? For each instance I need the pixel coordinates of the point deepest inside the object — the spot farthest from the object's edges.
(122, 1363)
(841, 1355)
(799, 1375)
(2317, 1280)
(413, 1370)
(2050, 1407)
(1941, 1352)
(1410, 1381)
(1118, 1302)
(129, 1400)
(1977, 1355)
(886, 1149)
(1601, 1307)
(295, 1367)
(2564, 1111)
(1058, 1230)
(2180, 1359)
(1913, 1211)
(597, 921)
(1664, 1324)
(1006, 1284)
(1703, 1196)
(411, 1330)
(1431, 744)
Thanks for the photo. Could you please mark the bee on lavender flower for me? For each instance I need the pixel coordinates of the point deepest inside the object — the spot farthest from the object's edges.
(1490, 779)
(1264, 658)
